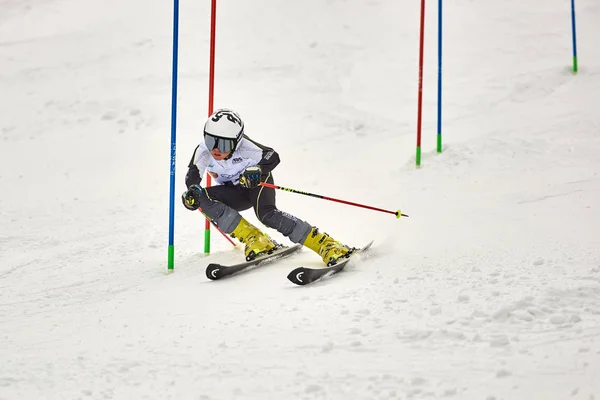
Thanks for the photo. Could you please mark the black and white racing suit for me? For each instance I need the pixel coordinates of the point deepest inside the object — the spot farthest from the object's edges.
(221, 203)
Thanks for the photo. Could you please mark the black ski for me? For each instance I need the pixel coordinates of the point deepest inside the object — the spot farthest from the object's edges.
(304, 275)
(217, 271)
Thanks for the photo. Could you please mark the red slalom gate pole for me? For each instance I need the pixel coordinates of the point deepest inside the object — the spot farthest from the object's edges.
(211, 96)
(219, 229)
(420, 100)
(398, 213)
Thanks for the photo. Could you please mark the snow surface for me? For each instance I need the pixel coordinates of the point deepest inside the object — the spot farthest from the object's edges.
(490, 290)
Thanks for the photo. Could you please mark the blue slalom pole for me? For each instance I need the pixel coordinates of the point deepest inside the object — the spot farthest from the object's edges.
(171, 256)
(574, 36)
(439, 91)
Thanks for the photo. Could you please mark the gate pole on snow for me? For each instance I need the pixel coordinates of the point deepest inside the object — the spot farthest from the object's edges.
(211, 95)
(439, 97)
(171, 251)
(420, 100)
(574, 35)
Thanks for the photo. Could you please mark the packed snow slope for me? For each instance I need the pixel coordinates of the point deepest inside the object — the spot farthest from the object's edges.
(490, 290)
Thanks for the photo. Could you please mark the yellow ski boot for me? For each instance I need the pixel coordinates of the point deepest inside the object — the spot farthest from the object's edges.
(256, 242)
(325, 246)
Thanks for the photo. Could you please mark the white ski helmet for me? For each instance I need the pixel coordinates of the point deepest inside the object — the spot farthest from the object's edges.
(223, 130)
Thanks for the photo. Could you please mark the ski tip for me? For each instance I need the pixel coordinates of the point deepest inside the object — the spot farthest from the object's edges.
(213, 272)
(365, 247)
(297, 276)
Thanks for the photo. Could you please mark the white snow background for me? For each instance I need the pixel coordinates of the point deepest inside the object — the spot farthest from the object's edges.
(490, 290)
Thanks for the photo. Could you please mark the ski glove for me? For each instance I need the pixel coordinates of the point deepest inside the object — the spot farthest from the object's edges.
(251, 177)
(191, 198)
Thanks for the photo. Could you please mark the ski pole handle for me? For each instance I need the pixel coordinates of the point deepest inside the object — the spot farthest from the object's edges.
(398, 213)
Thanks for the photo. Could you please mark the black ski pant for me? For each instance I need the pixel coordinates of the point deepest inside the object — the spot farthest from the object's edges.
(222, 204)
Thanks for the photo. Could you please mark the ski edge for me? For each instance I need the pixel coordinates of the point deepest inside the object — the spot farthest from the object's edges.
(216, 271)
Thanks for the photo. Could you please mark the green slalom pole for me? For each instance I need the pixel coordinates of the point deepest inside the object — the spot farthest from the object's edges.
(207, 241)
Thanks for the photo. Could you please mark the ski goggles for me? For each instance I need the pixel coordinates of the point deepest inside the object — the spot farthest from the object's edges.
(214, 142)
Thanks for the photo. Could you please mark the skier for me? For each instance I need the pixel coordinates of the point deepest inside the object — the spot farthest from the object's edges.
(238, 165)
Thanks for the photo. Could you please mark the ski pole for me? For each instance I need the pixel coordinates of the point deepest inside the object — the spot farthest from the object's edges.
(222, 233)
(398, 213)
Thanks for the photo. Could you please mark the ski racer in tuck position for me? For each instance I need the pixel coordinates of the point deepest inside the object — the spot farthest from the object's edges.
(238, 165)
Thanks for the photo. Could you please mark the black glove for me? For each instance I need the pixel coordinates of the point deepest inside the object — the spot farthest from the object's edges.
(191, 198)
(251, 177)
